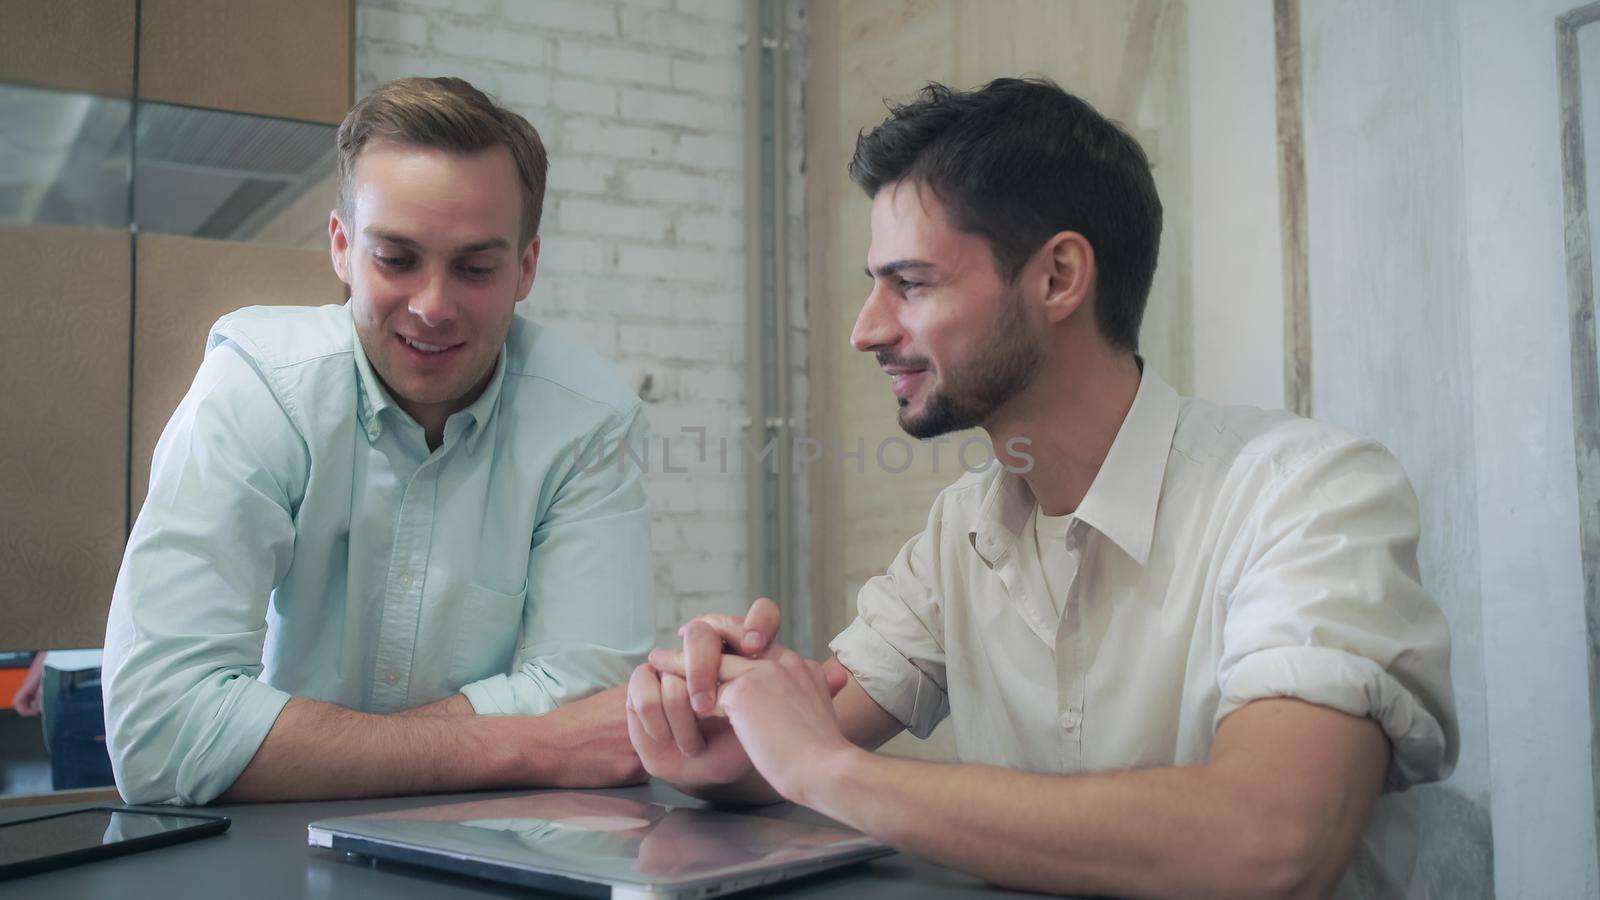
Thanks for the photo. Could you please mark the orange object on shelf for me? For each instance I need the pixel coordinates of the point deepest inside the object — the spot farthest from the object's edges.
(10, 680)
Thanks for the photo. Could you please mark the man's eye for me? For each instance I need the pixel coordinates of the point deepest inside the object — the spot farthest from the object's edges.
(478, 272)
(395, 263)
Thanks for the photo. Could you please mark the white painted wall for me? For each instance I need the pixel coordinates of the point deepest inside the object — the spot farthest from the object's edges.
(1528, 558)
(1234, 231)
(1391, 348)
(641, 105)
(1439, 320)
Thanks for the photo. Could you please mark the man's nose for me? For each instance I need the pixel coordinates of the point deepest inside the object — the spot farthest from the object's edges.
(432, 303)
(875, 325)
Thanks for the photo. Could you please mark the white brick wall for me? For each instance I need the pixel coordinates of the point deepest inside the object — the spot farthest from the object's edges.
(640, 103)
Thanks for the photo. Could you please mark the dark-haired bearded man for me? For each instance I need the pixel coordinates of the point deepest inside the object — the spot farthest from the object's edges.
(1184, 648)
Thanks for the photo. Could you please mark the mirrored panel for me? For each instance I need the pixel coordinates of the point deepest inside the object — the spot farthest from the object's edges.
(234, 177)
(63, 158)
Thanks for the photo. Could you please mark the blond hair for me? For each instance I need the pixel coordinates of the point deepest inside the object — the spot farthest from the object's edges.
(445, 114)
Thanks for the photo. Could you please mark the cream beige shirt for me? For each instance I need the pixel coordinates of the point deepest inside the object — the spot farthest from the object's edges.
(1222, 555)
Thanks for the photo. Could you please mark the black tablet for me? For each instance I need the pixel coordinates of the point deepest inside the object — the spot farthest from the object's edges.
(67, 839)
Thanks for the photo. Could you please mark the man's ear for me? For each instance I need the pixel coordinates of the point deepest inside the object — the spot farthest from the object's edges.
(339, 247)
(1068, 269)
(529, 263)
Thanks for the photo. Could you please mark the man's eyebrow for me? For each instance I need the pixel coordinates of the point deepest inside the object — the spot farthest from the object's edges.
(403, 241)
(480, 246)
(889, 269)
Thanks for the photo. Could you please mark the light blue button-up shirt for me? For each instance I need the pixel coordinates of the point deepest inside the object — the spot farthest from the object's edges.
(299, 539)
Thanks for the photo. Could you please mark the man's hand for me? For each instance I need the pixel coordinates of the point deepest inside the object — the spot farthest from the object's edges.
(779, 707)
(664, 713)
(30, 695)
(706, 638)
(671, 744)
(782, 710)
(590, 749)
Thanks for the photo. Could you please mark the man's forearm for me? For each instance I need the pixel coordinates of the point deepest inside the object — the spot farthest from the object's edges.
(322, 751)
(453, 705)
(318, 750)
(1146, 833)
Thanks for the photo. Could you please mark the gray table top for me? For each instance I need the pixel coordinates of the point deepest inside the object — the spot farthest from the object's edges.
(264, 854)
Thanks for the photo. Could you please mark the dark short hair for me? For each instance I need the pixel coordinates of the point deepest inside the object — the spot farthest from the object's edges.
(1018, 161)
(445, 114)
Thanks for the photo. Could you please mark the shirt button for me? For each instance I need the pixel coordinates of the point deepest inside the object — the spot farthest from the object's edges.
(391, 678)
(1071, 719)
(405, 580)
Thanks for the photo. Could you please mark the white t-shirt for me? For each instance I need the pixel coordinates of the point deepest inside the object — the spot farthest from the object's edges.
(1058, 545)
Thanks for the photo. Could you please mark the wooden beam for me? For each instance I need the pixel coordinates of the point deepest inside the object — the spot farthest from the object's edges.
(1292, 209)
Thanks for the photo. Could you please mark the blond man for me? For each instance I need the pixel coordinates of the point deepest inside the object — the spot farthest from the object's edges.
(370, 561)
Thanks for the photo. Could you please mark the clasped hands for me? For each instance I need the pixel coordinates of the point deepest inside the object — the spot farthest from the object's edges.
(733, 704)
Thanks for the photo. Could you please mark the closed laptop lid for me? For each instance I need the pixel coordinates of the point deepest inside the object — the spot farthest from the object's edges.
(599, 839)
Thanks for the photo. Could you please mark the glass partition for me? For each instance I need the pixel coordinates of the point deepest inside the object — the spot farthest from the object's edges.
(64, 158)
(233, 177)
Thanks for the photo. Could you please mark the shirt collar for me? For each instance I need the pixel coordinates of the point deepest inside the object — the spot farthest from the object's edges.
(372, 398)
(1122, 500)
(475, 418)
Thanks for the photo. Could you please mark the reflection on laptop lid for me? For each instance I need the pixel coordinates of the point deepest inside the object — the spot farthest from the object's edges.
(599, 845)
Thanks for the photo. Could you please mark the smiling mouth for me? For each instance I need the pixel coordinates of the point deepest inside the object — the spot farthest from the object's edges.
(424, 348)
(905, 381)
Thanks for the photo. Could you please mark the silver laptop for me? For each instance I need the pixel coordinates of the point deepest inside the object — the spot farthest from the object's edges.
(598, 845)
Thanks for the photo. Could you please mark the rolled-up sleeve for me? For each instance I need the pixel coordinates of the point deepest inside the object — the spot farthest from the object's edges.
(895, 646)
(589, 616)
(185, 712)
(1329, 608)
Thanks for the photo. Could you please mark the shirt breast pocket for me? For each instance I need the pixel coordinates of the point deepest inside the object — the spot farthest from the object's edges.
(490, 631)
